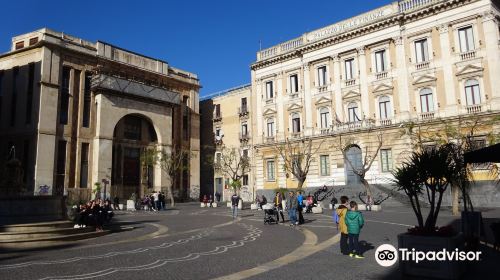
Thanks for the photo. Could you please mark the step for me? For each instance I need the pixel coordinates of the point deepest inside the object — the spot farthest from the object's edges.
(50, 241)
(43, 233)
(36, 227)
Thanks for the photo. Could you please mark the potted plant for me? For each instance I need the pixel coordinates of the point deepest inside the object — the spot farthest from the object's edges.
(427, 175)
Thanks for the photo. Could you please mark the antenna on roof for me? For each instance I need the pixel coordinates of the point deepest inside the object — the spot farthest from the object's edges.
(260, 45)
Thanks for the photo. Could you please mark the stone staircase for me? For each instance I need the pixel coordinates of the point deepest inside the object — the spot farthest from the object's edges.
(35, 235)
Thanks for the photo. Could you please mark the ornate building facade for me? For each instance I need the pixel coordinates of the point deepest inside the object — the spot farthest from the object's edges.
(428, 62)
(79, 113)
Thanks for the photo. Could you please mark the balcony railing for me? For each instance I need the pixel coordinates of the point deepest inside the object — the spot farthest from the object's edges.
(217, 117)
(468, 55)
(350, 82)
(270, 101)
(218, 141)
(474, 109)
(385, 122)
(381, 75)
(422, 65)
(244, 137)
(427, 116)
(295, 134)
(243, 111)
(269, 139)
(322, 89)
(325, 131)
(294, 95)
(408, 5)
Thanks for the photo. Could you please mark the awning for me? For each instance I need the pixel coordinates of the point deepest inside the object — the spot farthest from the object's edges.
(487, 154)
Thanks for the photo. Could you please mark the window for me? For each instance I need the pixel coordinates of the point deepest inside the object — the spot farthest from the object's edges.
(133, 128)
(324, 116)
(84, 165)
(466, 39)
(29, 93)
(1, 81)
(353, 112)
(185, 118)
(61, 166)
(33, 41)
(380, 62)
(245, 153)
(244, 107)
(245, 180)
(386, 160)
(294, 83)
(86, 100)
(384, 105)
(349, 69)
(324, 162)
(217, 114)
(321, 76)
(13, 103)
(270, 128)
(19, 45)
(269, 90)
(296, 165)
(421, 51)
(472, 93)
(295, 123)
(426, 100)
(64, 99)
(270, 170)
(218, 158)
(218, 132)
(244, 129)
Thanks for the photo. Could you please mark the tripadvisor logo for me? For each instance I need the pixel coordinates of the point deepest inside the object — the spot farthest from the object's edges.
(387, 255)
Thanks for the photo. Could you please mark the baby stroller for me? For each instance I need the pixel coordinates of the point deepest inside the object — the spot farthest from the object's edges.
(270, 216)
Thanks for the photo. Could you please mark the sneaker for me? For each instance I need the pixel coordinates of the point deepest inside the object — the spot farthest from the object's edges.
(351, 255)
(296, 223)
(76, 226)
(358, 257)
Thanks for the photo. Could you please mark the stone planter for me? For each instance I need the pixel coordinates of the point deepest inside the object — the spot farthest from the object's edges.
(254, 206)
(203, 205)
(214, 204)
(436, 269)
(362, 207)
(229, 204)
(317, 210)
(130, 205)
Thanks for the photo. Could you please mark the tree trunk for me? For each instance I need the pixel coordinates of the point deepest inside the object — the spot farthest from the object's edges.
(171, 193)
(454, 200)
(367, 187)
(300, 184)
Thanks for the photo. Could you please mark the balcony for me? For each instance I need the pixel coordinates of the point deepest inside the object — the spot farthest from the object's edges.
(217, 117)
(325, 131)
(422, 65)
(322, 89)
(294, 95)
(243, 111)
(385, 122)
(269, 101)
(381, 75)
(474, 109)
(468, 55)
(218, 140)
(427, 116)
(269, 139)
(244, 137)
(295, 135)
(350, 82)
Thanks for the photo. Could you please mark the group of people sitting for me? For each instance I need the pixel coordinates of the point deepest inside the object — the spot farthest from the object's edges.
(93, 213)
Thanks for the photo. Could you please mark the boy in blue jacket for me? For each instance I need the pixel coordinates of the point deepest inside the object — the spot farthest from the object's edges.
(354, 222)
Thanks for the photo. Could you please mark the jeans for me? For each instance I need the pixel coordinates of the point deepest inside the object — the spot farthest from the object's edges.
(344, 247)
(292, 214)
(353, 243)
(235, 211)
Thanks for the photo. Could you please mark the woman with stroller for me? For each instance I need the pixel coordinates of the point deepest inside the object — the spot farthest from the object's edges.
(279, 207)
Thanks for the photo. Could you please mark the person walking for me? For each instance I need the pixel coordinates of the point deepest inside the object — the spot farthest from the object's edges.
(300, 206)
(339, 217)
(279, 207)
(235, 199)
(354, 222)
(291, 206)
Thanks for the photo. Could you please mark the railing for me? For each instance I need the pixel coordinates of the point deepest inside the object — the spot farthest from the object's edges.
(292, 44)
(385, 122)
(381, 75)
(268, 52)
(474, 109)
(218, 141)
(244, 137)
(294, 95)
(270, 101)
(269, 139)
(350, 82)
(325, 131)
(217, 117)
(427, 116)
(322, 89)
(243, 110)
(422, 65)
(468, 55)
(295, 135)
(408, 5)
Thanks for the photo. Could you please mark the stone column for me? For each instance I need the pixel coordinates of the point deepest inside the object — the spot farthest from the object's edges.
(308, 129)
(492, 41)
(280, 110)
(447, 64)
(363, 83)
(402, 78)
(337, 79)
(258, 130)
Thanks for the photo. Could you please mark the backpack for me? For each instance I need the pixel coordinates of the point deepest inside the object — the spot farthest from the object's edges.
(335, 217)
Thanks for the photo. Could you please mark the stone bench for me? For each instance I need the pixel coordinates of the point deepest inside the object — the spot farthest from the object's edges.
(362, 207)
(317, 210)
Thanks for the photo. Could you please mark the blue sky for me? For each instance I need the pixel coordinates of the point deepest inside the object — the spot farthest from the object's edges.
(216, 39)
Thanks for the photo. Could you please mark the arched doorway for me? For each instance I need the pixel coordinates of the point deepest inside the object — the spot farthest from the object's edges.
(353, 153)
(132, 134)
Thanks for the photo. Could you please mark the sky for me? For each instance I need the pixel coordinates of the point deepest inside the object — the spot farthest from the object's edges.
(215, 39)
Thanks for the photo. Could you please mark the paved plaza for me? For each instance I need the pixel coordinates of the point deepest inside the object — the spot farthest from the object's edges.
(190, 242)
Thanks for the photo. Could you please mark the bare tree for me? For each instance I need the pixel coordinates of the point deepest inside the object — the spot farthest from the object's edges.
(369, 158)
(170, 162)
(297, 156)
(233, 164)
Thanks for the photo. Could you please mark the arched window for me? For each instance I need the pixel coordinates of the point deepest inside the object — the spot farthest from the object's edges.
(472, 93)
(384, 105)
(324, 116)
(295, 123)
(426, 100)
(270, 127)
(353, 112)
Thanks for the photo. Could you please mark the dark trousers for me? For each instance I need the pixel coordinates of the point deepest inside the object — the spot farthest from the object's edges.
(301, 217)
(279, 211)
(344, 249)
(353, 243)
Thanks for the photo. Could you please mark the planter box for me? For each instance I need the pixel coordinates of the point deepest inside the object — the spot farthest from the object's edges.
(203, 205)
(214, 204)
(436, 269)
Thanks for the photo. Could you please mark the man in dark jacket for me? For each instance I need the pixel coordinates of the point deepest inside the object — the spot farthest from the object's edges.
(235, 199)
(291, 206)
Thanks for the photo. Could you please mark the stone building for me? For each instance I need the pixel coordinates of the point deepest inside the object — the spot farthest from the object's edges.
(80, 113)
(430, 63)
(226, 123)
